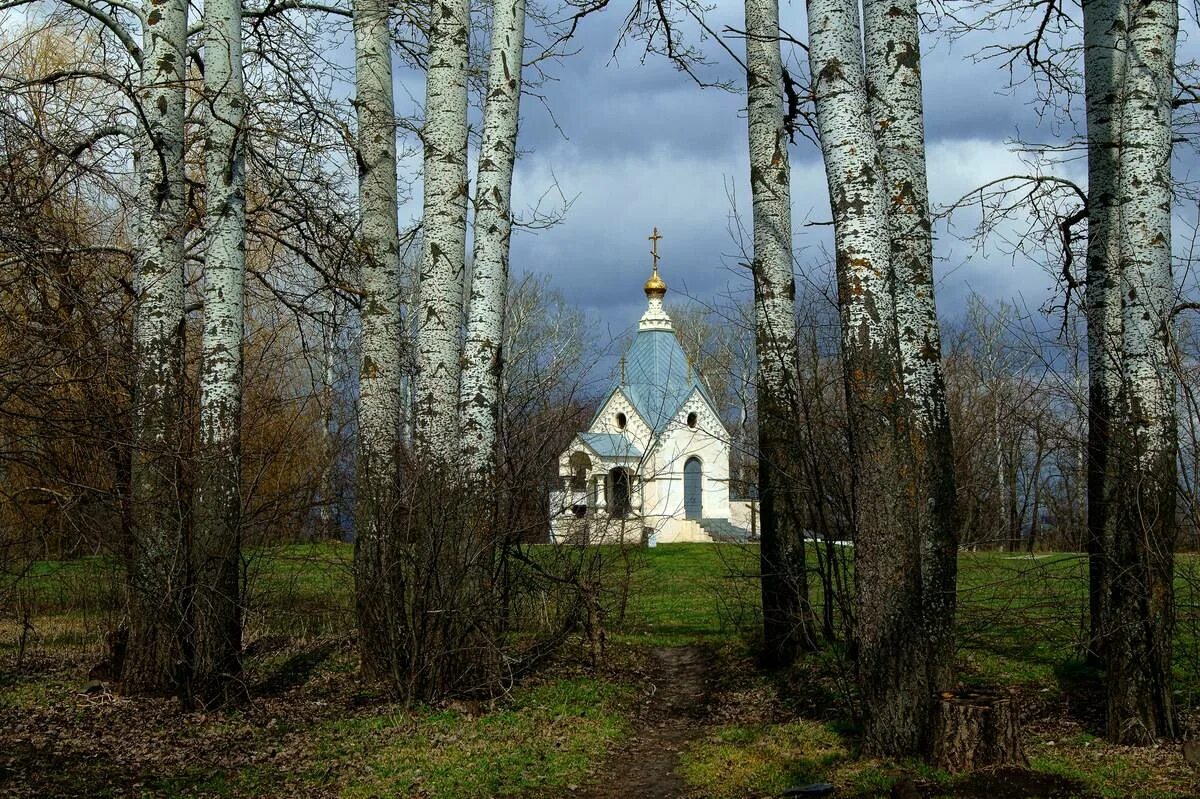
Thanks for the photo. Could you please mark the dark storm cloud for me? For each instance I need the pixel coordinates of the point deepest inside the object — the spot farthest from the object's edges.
(634, 143)
(641, 145)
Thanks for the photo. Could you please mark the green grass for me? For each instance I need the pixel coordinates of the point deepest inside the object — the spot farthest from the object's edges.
(540, 742)
(762, 759)
(692, 593)
(1020, 619)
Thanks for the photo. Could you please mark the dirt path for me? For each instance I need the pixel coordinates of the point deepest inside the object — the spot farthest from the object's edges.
(675, 713)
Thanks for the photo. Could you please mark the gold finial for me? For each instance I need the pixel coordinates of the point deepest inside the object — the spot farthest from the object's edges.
(655, 287)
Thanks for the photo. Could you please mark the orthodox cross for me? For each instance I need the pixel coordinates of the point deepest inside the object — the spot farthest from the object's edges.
(654, 247)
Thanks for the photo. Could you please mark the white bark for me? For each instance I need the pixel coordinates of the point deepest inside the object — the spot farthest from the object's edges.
(382, 324)
(853, 171)
(893, 59)
(379, 410)
(770, 178)
(1138, 647)
(893, 664)
(483, 354)
(443, 261)
(1147, 282)
(784, 588)
(216, 536)
(156, 559)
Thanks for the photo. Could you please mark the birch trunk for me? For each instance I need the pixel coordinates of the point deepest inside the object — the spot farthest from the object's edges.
(892, 661)
(378, 470)
(893, 59)
(1104, 22)
(1139, 622)
(216, 536)
(443, 259)
(483, 351)
(157, 556)
(786, 612)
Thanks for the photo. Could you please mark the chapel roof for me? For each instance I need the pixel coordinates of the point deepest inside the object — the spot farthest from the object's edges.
(612, 445)
(656, 376)
(658, 379)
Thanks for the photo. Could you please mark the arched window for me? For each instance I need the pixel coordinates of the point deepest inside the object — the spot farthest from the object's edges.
(692, 419)
(621, 421)
(581, 464)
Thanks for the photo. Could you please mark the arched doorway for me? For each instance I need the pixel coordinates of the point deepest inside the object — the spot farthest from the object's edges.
(618, 493)
(693, 503)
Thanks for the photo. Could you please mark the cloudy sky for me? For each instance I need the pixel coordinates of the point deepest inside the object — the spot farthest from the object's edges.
(634, 143)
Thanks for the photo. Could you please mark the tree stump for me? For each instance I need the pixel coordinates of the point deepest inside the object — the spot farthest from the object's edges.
(976, 729)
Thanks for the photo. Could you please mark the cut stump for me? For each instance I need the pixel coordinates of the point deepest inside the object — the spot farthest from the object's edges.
(975, 729)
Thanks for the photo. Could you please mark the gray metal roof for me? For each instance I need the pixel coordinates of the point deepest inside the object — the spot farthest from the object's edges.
(657, 378)
(611, 445)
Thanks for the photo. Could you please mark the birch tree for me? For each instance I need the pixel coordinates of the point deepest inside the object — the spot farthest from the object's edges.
(443, 260)
(786, 613)
(157, 558)
(1104, 79)
(1139, 619)
(216, 535)
(379, 408)
(893, 665)
(483, 354)
(893, 62)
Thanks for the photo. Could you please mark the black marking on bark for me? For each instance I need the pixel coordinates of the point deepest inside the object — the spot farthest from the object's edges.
(793, 106)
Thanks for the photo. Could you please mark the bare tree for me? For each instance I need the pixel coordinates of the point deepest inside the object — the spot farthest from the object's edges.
(444, 233)
(893, 59)
(379, 404)
(1104, 76)
(483, 354)
(157, 556)
(216, 614)
(786, 611)
(904, 536)
(1138, 619)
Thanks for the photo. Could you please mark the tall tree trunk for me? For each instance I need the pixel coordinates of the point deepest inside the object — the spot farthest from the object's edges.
(443, 258)
(787, 616)
(378, 469)
(893, 58)
(327, 515)
(480, 402)
(157, 552)
(1139, 623)
(1104, 80)
(892, 661)
(216, 534)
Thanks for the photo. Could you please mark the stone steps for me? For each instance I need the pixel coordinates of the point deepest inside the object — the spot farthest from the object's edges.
(723, 530)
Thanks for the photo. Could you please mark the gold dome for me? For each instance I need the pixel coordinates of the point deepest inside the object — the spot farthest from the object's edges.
(655, 287)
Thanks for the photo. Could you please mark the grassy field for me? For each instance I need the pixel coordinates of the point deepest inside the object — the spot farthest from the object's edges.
(313, 729)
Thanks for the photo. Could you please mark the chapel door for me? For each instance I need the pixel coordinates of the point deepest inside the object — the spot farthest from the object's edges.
(693, 506)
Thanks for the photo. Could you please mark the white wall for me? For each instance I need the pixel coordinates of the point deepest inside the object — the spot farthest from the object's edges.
(744, 514)
(709, 442)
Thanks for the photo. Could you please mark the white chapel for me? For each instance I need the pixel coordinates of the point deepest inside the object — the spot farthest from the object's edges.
(653, 465)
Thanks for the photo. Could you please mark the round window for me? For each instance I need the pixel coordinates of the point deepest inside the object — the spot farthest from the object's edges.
(692, 419)
(621, 421)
